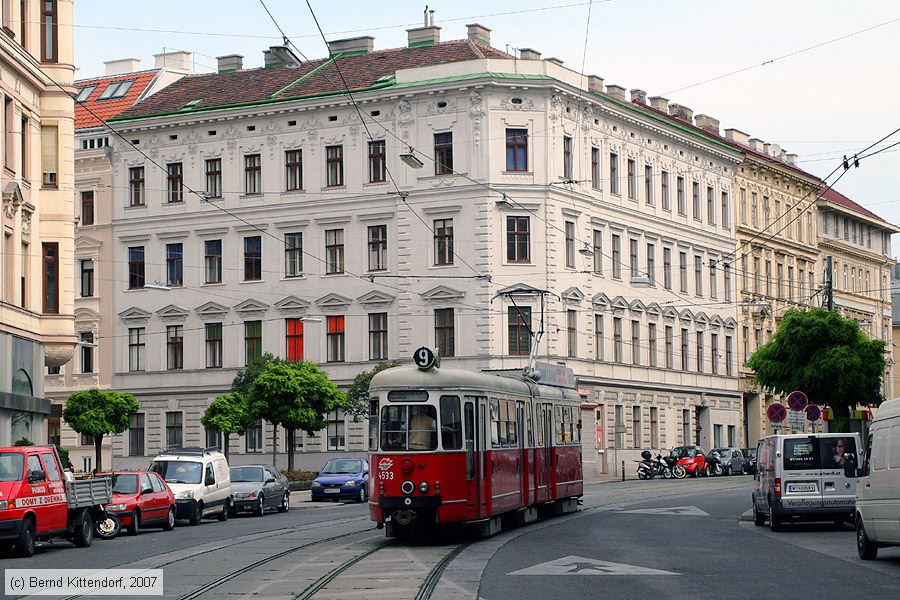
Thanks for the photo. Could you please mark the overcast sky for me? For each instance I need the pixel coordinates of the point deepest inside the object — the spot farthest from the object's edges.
(820, 103)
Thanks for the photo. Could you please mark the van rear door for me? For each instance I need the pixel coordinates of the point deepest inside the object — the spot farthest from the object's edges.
(838, 490)
(801, 474)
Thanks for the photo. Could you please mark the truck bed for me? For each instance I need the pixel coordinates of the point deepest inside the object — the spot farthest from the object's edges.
(89, 492)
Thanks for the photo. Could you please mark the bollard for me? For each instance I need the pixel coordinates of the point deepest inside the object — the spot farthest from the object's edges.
(623, 470)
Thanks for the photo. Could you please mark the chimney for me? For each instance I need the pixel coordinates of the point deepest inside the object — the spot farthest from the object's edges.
(681, 112)
(122, 65)
(756, 145)
(479, 33)
(427, 35)
(737, 136)
(555, 61)
(638, 96)
(708, 123)
(595, 83)
(791, 159)
(229, 63)
(659, 103)
(529, 54)
(177, 59)
(616, 91)
(363, 44)
(269, 59)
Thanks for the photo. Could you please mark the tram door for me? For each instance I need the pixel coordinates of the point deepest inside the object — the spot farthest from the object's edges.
(474, 444)
(542, 456)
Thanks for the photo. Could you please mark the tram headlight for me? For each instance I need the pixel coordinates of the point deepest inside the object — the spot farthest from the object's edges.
(423, 487)
(407, 487)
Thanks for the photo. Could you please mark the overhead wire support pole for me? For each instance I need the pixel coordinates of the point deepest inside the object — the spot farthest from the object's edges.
(829, 283)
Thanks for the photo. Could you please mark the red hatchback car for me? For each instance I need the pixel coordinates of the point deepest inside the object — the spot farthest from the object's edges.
(142, 499)
(692, 458)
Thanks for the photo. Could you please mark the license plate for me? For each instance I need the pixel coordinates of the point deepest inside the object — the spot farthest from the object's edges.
(801, 488)
(332, 490)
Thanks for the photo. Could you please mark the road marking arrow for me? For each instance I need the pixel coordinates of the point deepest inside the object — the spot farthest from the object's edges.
(690, 511)
(577, 565)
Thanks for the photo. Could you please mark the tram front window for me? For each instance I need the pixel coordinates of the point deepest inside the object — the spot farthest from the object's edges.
(408, 428)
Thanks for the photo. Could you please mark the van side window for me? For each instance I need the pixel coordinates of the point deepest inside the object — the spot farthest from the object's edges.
(894, 452)
(50, 467)
(879, 460)
(34, 464)
(210, 478)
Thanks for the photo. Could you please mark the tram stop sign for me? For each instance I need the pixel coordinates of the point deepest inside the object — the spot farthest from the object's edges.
(797, 400)
(776, 413)
(425, 358)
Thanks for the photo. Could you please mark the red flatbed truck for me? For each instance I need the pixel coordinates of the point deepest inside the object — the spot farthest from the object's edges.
(38, 502)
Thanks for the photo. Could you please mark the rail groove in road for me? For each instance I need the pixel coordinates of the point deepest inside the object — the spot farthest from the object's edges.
(323, 581)
(435, 575)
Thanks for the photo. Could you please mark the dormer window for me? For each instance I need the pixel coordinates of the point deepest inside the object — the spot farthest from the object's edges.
(85, 93)
(117, 89)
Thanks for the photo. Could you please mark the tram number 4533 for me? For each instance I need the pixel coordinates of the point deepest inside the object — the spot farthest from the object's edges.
(386, 475)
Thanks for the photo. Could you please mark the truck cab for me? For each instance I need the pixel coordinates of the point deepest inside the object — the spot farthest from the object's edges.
(36, 502)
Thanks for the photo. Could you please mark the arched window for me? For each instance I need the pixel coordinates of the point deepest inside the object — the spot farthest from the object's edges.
(21, 384)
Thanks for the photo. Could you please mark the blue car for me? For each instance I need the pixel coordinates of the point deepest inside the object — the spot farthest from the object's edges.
(342, 479)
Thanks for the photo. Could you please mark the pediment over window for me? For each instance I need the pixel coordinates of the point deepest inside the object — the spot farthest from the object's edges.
(135, 315)
(211, 310)
(292, 304)
(619, 303)
(173, 314)
(715, 321)
(84, 242)
(86, 314)
(520, 288)
(600, 299)
(375, 298)
(573, 296)
(251, 307)
(701, 319)
(442, 293)
(333, 301)
(686, 315)
(730, 323)
(670, 313)
(637, 306)
(653, 309)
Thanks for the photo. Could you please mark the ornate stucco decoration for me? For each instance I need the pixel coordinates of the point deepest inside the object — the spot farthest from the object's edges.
(12, 199)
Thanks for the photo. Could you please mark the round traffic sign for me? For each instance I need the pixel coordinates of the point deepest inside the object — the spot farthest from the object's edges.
(424, 358)
(776, 413)
(813, 413)
(797, 400)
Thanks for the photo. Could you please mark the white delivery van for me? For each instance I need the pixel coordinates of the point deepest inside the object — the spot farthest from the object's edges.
(200, 480)
(802, 477)
(878, 488)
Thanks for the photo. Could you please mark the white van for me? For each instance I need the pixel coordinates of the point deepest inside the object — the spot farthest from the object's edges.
(200, 480)
(802, 476)
(878, 489)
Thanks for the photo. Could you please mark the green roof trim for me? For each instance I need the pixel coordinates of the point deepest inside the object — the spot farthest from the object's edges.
(421, 44)
(303, 78)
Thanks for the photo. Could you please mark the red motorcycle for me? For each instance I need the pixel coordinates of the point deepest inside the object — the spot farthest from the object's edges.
(692, 459)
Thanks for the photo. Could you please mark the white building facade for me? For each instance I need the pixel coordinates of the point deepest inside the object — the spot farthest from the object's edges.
(298, 243)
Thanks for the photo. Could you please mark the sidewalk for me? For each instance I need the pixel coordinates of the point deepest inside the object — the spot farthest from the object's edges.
(591, 478)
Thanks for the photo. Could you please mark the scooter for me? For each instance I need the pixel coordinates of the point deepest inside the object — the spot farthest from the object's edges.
(647, 468)
(671, 463)
(714, 464)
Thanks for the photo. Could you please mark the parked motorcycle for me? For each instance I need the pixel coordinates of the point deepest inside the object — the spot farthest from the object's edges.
(671, 463)
(647, 467)
(108, 527)
(714, 464)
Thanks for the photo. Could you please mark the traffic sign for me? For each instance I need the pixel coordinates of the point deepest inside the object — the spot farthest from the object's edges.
(424, 358)
(776, 413)
(813, 413)
(797, 419)
(797, 400)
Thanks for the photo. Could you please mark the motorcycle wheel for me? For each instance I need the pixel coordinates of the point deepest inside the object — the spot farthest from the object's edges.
(717, 470)
(667, 473)
(678, 472)
(109, 527)
(642, 474)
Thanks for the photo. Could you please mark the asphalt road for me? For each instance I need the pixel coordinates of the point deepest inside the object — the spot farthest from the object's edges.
(688, 545)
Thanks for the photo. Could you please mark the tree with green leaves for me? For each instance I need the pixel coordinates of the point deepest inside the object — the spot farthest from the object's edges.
(227, 414)
(828, 357)
(295, 395)
(358, 393)
(99, 412)
(245, 377)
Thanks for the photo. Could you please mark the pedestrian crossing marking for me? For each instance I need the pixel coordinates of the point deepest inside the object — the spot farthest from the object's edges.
(690, 511)
(577, 565)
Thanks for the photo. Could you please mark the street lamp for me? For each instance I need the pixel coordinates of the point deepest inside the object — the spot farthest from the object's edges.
(86, 344)
(157, 286)
(310, 319)
(640, 280)
(586, 250)
(411, 160)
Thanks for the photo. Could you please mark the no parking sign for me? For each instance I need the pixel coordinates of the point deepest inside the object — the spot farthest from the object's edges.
(776, 413)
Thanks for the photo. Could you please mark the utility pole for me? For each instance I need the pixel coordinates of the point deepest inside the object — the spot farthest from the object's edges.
(829, 283)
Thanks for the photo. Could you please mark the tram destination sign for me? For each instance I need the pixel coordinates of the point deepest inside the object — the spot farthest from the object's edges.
(555, 375)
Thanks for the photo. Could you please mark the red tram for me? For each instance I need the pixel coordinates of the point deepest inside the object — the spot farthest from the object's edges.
(456, 446)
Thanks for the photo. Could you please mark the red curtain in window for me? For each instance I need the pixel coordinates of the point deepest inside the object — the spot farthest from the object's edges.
(294, 339)
(335, 324)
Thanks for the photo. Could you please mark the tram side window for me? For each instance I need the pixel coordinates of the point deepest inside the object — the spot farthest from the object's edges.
(373, 422)
(504, 421)
(451, 423)
(539, 424)
(408, 428)
(512, 426)
(560, 425)
(529, 431)
(495, 423)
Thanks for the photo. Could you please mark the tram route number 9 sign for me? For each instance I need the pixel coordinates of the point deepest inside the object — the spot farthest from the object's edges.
(797, 400)
(776, 413)
(425, 358)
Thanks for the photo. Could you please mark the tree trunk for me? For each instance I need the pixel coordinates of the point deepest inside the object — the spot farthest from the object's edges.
(98, 453)
(291, 435)
(225, 435)
(842, 419)
(274, 442)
